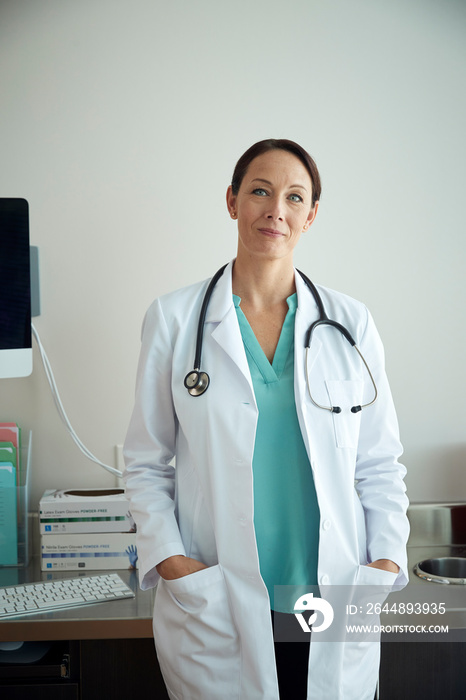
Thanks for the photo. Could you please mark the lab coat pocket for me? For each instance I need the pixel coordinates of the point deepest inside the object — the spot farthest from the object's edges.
(196, 639)
(371, 589)
(371, 576)
(345, 394)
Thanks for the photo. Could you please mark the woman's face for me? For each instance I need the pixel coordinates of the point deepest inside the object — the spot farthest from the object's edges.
(273, 206)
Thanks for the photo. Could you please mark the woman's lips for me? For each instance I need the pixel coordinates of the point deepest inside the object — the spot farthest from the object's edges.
(271, 232)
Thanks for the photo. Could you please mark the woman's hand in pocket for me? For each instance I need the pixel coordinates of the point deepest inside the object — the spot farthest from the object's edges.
(385, 565)
(178, 566)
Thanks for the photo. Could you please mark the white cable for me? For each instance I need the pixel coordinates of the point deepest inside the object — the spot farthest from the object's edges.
(61, 410)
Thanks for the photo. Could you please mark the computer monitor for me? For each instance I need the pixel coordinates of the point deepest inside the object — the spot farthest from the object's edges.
(15, 289)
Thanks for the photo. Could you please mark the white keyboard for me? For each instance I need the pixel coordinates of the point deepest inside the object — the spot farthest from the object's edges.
(45, 596)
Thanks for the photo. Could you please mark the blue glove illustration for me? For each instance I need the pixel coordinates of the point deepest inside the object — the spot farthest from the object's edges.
(132, 553)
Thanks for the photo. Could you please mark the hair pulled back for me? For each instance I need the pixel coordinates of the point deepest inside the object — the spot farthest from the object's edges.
(266, 145)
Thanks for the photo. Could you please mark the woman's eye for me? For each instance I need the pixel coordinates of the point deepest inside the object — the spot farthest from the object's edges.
(259, 191)
(296, 198)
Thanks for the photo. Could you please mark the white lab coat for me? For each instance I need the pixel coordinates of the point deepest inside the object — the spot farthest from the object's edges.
(212, 628)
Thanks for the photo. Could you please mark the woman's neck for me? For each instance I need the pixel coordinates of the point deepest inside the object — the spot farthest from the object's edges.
(262, 284)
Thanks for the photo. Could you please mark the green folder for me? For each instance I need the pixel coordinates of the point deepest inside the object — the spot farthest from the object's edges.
(8, 522)
(8, 453)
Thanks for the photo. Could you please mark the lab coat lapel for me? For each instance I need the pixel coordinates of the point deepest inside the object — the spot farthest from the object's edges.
(306, 313)
(308, 416)
(222, 322)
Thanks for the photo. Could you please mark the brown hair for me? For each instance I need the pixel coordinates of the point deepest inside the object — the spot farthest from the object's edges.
(277, 144)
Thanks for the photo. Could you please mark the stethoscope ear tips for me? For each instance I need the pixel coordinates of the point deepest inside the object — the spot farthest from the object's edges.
(196, 382)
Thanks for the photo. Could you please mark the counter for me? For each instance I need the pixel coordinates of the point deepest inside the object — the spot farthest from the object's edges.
(428, 666)
(437, 530)
(90, 652)
(118, 619)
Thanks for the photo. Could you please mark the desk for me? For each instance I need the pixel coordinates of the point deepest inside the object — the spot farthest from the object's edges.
(96, 651)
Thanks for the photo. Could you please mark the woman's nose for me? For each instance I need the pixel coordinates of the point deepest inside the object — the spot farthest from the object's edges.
(275, 210)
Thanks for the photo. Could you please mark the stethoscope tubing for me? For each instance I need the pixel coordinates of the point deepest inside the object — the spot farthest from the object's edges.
(202, 315)
(197, 382)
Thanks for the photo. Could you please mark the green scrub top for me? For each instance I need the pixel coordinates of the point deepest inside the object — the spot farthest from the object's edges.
(286, 512)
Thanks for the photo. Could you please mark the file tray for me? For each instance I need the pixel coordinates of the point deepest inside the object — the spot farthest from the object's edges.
(14, 502)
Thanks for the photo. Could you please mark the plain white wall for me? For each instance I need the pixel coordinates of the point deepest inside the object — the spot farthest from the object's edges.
(121, 123)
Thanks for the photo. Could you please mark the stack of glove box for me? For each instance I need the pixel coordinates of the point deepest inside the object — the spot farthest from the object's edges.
(86, 529)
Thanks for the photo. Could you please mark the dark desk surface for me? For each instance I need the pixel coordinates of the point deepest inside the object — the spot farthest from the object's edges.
(119, 619)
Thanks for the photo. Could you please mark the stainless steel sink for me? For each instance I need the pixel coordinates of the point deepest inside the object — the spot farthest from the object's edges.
(436, 554)
(438, 536)
(437, 524)
(451, 570)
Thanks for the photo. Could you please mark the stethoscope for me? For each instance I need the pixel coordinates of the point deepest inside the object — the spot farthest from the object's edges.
(197, 381)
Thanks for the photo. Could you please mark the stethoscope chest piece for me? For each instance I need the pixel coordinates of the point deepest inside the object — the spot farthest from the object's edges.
(196, 382)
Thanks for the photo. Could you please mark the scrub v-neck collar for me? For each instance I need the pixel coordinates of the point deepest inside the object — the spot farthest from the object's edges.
(271, 372)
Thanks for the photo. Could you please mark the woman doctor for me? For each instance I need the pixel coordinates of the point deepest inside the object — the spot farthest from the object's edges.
(270, 487)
